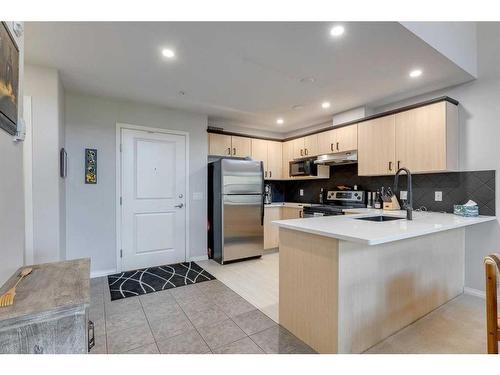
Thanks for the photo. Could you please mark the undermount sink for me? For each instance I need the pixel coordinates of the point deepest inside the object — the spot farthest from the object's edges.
(379, 218)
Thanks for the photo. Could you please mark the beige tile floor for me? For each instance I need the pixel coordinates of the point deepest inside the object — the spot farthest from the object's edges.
(256, 280)
(456, 327)
(238, 314)
(202, 318)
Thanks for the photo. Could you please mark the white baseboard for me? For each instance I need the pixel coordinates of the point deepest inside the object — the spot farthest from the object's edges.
(475, 292)
(198, 258)
(101, 273)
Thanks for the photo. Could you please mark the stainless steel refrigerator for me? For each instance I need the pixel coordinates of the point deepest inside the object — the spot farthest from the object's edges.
(235, 209)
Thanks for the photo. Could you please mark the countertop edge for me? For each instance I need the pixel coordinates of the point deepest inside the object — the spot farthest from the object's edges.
(387, 239)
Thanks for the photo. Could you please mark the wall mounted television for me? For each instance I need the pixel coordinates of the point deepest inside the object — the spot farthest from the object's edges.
(9, 80)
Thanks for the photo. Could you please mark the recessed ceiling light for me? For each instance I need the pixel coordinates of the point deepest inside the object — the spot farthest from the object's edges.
(280, 121)
(168, 53)
(337, 30)
(415, 73)
(325, 105)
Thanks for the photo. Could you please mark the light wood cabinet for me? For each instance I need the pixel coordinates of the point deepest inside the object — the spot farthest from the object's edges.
(292, 213)
(338, 140)
(423, 139)
(326, 142)
(270, 153)
(271, 231)
(377, 146)
(241, 146)
(227, 145)
(311, 145)
(345, 138)
(275, 159)
(305, 146)
(426, 138)
(287, 156)
(298, 148)
(219, 144)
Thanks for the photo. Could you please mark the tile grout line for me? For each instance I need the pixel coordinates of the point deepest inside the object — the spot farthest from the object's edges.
(196, 328)
(149, 325)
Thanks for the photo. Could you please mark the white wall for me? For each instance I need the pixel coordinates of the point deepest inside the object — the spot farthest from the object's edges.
(455, 40)
(90, 209)
(44, 87)
(479, 116)
(11, 192)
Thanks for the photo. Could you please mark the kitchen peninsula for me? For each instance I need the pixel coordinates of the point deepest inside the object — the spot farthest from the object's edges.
(346, 283)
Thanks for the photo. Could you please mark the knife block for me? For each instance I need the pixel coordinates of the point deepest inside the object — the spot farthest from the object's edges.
(392, 205)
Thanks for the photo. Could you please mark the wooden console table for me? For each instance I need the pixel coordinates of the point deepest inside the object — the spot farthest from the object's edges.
(50, 311)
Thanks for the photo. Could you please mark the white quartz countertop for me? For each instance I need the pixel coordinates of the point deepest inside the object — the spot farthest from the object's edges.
(288, 204)
(346, 227)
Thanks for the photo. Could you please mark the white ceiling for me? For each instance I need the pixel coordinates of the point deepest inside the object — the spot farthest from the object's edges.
(249, 73)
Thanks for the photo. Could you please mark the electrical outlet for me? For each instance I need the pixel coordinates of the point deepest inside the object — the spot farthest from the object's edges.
(403, 194)
(438, 196)
(301, 192)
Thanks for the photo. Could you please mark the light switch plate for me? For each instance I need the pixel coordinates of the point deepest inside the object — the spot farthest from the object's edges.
(438, 196)
(403, 194)
(301, 192)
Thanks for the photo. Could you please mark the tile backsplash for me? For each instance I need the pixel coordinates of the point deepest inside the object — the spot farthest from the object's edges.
(457, 188)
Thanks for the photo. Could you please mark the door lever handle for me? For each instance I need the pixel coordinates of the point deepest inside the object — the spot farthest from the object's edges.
(179, 205)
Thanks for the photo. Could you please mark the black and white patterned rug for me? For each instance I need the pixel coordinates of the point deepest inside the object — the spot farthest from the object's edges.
(155, 279)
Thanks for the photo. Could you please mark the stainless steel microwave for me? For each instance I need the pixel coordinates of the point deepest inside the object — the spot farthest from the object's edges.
(303, 168)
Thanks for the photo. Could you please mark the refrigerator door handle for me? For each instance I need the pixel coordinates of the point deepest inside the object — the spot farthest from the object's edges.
(262, 206)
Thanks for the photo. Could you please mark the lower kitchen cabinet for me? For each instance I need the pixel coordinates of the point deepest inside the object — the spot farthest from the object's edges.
(292, 213)
(271, 231)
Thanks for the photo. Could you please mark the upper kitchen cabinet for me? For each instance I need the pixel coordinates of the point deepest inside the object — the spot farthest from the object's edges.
(270, 153)
(311, 145)
(305, 146)
(275, 159)
(287, 155)
(345, 138)
(377, 146)
(298, 148)
(427, 138)
(226, 145)
(423, 139)
(241, 146)
(219, 144)
(338, 140)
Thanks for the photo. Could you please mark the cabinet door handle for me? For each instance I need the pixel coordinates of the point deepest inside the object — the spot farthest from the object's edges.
(331, 146)
(301, 152)
(234, 150)
(399, 162)
(270, 174)
(265, 174)
(300, 213)
(306, 152)
(390, 165)
(229, 150)
(337, 146)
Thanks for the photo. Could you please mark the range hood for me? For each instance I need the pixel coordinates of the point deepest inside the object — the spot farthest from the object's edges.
(348, 157)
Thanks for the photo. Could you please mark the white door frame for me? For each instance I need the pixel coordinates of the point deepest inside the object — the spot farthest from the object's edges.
(119, 127)
(29, 247)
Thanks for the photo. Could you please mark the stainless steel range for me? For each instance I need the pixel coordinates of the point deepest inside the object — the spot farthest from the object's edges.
(336, 202)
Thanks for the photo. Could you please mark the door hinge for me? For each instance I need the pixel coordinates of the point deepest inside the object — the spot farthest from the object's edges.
(121, 253)
(121, 200)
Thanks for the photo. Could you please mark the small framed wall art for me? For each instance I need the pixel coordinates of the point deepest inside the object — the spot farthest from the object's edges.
(90, 166)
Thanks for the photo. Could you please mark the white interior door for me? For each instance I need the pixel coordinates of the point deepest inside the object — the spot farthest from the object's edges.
(153, 191)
